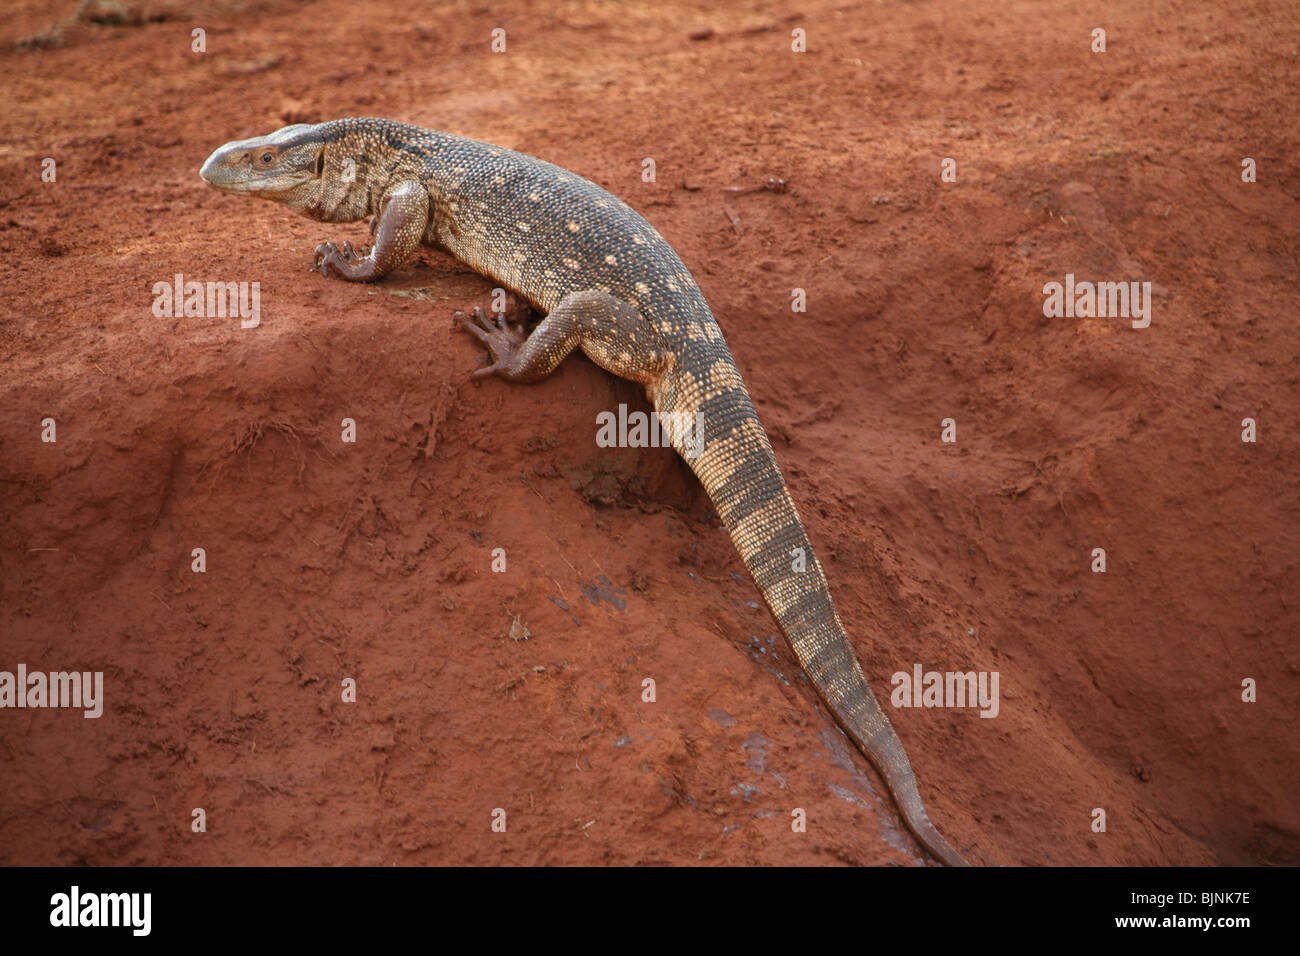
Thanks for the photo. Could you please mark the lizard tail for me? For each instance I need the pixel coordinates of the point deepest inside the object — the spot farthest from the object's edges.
(736, 465)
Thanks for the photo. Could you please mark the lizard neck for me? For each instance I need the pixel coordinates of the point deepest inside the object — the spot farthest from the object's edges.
(364, 159)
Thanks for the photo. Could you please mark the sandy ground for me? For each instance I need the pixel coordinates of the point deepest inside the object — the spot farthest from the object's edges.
(1119, 690)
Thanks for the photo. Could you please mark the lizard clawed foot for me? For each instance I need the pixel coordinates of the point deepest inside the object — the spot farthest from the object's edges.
(503, 340)
(328, 254)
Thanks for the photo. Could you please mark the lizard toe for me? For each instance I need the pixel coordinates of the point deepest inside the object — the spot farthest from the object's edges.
(469, 325)
(326, 255)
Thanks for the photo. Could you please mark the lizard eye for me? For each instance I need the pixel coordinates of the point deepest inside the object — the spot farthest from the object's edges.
(267, 157)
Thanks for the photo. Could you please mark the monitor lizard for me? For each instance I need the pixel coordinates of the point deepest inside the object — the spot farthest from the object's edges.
(609, 285)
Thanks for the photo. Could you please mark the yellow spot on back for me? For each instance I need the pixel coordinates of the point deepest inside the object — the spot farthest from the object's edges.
(573, 227)
(611, 260)
(524, 226)
(723, 376)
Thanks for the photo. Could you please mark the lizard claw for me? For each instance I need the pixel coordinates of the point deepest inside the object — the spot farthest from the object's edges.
(327, 254)
(503, 323)
(470, 325)
(502, 341)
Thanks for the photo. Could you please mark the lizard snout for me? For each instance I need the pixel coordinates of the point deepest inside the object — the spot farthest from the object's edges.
(210, 171)
(228, 168)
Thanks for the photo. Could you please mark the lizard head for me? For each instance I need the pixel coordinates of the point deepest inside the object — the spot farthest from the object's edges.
(285, 166)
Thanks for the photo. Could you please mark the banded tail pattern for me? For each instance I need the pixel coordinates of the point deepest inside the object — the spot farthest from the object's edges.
(740, 473)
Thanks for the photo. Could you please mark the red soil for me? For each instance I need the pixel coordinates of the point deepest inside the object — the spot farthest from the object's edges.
(371, 560)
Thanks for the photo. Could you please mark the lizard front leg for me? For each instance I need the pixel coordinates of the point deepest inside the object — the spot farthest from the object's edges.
(610, 331)
(402, 220)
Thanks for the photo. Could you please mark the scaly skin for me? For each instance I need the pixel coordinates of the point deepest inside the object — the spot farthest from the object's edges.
(610, 285)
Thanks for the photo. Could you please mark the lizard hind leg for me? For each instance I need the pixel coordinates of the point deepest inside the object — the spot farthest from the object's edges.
(610, 331)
